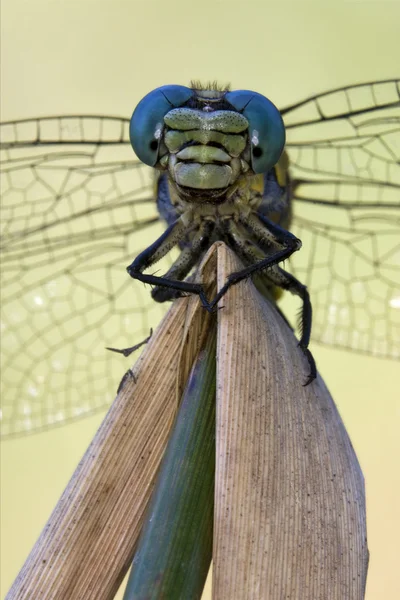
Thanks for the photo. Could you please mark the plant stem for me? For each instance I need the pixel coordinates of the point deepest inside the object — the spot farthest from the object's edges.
(175, 547)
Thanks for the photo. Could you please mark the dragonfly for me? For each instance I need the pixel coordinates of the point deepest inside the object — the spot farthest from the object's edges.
(78, 207)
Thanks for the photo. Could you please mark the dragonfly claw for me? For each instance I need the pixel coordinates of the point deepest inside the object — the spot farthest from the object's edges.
(313, 368)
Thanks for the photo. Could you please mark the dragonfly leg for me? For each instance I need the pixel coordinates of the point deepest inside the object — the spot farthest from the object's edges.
(250, 252)
(286, 281)
(267, 266)
(173, 235)
(187, 259)
(281, 243)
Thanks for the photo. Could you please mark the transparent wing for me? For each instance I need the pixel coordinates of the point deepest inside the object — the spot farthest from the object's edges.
(76, 209)
(344, 148)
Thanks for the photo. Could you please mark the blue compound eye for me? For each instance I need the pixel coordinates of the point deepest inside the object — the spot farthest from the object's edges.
(147, 121)
(266, 128)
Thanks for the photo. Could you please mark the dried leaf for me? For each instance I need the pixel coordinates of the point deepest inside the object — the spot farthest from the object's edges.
(289, 499)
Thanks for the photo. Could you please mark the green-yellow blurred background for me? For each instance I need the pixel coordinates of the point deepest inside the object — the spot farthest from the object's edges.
(101, 57)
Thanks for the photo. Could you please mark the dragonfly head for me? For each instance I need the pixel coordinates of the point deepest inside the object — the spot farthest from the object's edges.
(207, 139)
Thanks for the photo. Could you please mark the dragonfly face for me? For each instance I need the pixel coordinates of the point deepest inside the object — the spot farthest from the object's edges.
(77, 207)
(207, 138)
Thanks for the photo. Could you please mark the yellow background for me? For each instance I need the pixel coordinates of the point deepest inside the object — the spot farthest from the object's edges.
(101, 57)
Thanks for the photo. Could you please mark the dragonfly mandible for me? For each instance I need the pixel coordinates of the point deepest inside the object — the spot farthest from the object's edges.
(77, 208)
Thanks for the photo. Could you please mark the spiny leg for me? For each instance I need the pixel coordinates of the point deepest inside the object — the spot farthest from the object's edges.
(286, 281)
(173, 235)
(249, 251)
(186, 260)
(282, 243)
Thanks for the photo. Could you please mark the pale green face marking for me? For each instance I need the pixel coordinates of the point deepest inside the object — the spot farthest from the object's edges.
(234, 144)
(203, 154)
(226, 121)
(202, 177)
(197, 164)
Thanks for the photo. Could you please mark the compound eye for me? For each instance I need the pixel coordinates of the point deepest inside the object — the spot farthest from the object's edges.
(147, 122)
(266, 128)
